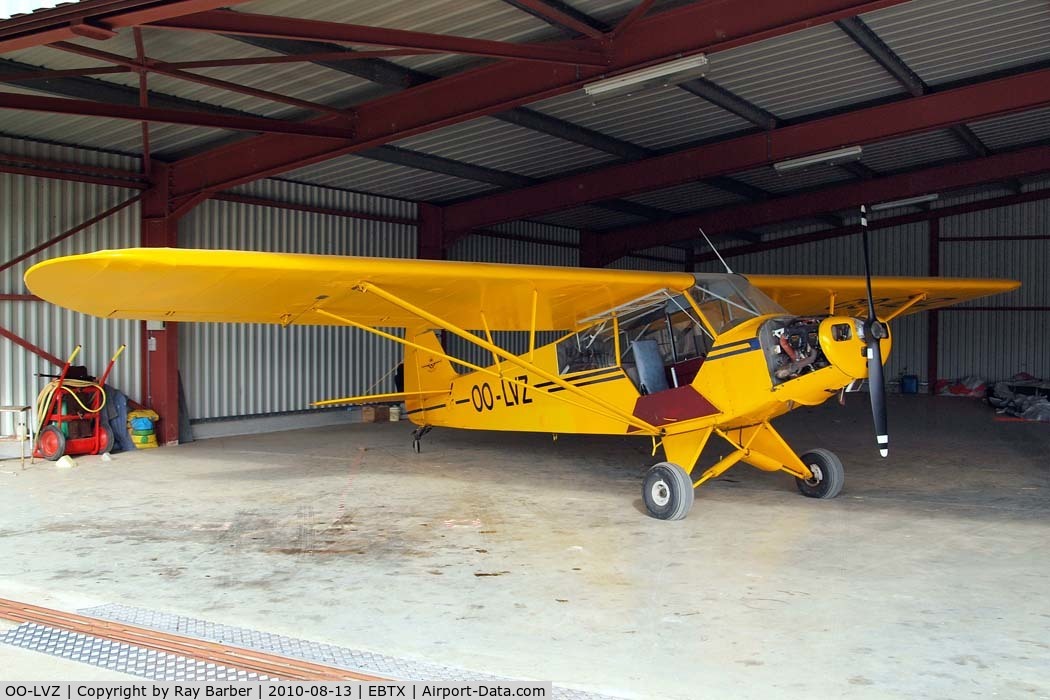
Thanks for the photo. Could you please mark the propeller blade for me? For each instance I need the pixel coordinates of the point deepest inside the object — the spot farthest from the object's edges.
(877, 392)
(875, 332)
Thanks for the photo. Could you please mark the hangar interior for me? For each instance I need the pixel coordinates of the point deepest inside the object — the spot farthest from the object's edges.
(464, 130)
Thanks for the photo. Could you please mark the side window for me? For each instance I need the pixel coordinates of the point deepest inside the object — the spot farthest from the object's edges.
(593, 348)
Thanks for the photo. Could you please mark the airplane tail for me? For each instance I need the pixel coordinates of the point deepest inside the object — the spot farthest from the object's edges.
(427, 371)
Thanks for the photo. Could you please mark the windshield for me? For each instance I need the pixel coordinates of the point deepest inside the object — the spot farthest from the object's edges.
(727, 300)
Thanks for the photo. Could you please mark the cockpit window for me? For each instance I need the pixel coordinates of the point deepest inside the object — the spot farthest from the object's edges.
(728, 300)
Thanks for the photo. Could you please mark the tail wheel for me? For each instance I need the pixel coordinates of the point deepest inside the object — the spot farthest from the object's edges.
(828, 474)
(667, 491)
(51, 443)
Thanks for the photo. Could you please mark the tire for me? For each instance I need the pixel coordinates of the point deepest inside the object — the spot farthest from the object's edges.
(51, 443)
(107, 439)
(667, 491)
(829, 472)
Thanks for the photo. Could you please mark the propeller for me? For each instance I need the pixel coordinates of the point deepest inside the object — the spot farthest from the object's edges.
(874, 332)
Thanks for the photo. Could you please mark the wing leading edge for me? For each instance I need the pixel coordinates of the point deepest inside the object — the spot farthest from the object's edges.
(893, 296)
(176, 284)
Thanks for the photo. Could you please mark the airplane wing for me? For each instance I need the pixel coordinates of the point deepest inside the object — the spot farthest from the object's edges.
(172, 284)
(805, 294)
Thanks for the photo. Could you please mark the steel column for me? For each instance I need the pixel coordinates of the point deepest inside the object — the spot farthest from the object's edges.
(430, 236)
(933, 319)
(160, 348)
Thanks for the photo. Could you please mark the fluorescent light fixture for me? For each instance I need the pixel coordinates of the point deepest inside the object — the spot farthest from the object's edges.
(661, 75)
(921, 199)
(842, 155)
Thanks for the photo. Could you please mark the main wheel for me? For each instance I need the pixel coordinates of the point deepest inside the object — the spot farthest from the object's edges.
(106, 443)
(51, 443)
(828, 475)
(667, 491)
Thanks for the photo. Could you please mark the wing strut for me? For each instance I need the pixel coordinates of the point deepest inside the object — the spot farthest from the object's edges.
(907, 305)
(509, 357)
(641, 425)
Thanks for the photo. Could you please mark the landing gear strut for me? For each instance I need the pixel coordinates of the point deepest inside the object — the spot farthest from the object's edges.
(418, 434)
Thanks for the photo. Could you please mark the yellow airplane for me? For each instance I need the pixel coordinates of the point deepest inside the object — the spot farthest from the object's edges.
(675, 357)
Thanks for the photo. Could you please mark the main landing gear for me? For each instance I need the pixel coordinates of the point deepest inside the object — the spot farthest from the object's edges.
(667, 490)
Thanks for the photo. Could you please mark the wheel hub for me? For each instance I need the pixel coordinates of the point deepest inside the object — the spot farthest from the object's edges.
(660, 493)
(818, 475)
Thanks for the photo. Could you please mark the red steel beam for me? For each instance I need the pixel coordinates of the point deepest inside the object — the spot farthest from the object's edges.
(699, 27)
(242, 23)
(76, 229)
(1022, 163)
(52, 74)
(162, 68)
(36, 350)
(63, 22)
(297, 58)
(55, 105)
(327, 211)
(633, 16)
(71, 177)
(140, 60)
(890, 222)
(907, 116)
(19, 297)
(63, 165)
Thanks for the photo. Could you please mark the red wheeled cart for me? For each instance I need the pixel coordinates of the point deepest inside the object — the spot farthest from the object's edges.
(69, 414)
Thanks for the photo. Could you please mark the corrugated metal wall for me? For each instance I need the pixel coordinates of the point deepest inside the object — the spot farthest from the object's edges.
(234, 370)
(997, 344)
(33, 210)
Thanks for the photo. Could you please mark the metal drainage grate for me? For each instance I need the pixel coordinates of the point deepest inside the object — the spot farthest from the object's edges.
(316, 652)
(121, 657)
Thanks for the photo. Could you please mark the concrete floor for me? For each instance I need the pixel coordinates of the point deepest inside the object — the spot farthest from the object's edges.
(515, 555)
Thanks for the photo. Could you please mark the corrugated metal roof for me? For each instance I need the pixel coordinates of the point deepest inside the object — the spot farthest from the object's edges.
(319, 196)
(111, 134)
(304, 81)
(375, 177)
(946, 40)
(480, 19)
(1014, 129)
(809, 71)
(911, 151)
(688, 197)
(590, 217)
(495, 144)
(768, 179)
(655, 119)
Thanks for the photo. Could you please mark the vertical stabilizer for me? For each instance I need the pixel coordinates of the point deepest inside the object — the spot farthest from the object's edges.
(426, 371)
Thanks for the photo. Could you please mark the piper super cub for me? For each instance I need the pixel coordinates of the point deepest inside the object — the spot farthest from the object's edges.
(675, 357)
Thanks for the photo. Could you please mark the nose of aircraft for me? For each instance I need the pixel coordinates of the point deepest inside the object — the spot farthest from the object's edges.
(858, 350)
